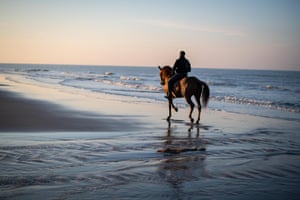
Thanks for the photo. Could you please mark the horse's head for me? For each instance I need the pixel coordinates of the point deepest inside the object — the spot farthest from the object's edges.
(165, 73)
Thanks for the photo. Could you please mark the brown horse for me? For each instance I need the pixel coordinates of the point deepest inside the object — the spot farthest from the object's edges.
(186, 87)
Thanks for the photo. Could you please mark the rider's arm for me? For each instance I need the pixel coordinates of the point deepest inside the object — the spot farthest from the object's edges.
(188, 66)
(175, 67)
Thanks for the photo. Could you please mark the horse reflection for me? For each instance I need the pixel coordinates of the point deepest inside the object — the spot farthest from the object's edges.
(180, 166)
(179, 144)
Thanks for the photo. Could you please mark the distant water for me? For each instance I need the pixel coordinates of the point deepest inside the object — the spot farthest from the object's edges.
(274, 94)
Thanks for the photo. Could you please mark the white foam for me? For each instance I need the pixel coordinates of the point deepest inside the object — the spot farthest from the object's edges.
(130, 78)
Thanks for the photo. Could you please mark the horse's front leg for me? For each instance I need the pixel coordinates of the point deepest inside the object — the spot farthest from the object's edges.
(191, 112)
(170, 110)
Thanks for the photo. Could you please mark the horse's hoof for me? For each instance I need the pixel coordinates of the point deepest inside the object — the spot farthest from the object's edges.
(176, 109)
(192, 120)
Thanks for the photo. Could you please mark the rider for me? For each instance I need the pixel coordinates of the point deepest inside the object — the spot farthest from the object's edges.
(181, 67)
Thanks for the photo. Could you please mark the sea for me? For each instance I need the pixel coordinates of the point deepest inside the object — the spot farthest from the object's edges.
(251, 150)
(267, 93)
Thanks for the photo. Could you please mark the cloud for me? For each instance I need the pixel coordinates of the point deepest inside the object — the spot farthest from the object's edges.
(189, 27)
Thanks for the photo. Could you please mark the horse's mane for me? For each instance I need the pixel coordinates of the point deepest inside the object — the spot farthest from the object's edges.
(168, 70)
(167, 67)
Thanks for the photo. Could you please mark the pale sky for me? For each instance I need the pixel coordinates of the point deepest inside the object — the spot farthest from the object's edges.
(263, 34)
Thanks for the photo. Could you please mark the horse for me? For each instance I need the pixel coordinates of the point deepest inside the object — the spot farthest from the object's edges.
(186, 87)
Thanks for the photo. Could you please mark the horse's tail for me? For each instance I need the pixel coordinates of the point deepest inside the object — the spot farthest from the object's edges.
(205, 93)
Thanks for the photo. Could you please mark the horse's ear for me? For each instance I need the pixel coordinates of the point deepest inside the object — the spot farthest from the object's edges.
(159, 67)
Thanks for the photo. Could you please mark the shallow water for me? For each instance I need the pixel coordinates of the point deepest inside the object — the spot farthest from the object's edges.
(168, 162)
(265, 93)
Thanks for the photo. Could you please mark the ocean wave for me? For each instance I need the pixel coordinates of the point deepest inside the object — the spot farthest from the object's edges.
(263, 103)
(108, 73)
(115, 86)
(36, 70)
(124, 85)
(269, 87)
(130, 78)
(84, 78)
(214, 83)
(253, 86)
(233, 99)
(280, 88)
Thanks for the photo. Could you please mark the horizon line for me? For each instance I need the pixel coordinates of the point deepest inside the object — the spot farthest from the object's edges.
(148, 66)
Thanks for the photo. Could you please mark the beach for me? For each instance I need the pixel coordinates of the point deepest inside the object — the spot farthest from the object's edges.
(66, 143)
(22, 114)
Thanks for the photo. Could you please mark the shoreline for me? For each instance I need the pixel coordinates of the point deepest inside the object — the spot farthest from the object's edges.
(103, 112)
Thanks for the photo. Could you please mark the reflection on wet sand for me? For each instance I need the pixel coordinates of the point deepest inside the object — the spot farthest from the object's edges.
(184, 158)
(177, 145)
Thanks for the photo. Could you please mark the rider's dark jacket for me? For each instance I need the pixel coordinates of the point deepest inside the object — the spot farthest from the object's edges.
(181, 67)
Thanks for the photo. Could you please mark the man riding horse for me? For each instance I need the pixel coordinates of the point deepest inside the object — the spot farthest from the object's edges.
(181, 67)
(184, 86)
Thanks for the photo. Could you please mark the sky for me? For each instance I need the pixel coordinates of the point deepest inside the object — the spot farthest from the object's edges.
(246, 34)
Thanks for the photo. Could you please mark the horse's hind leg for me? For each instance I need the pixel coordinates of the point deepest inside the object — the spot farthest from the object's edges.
(197, 97)
(174, 107)
(190, 102)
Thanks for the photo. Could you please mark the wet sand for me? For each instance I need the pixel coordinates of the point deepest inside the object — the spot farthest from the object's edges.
(57, 144)
(22, 114)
